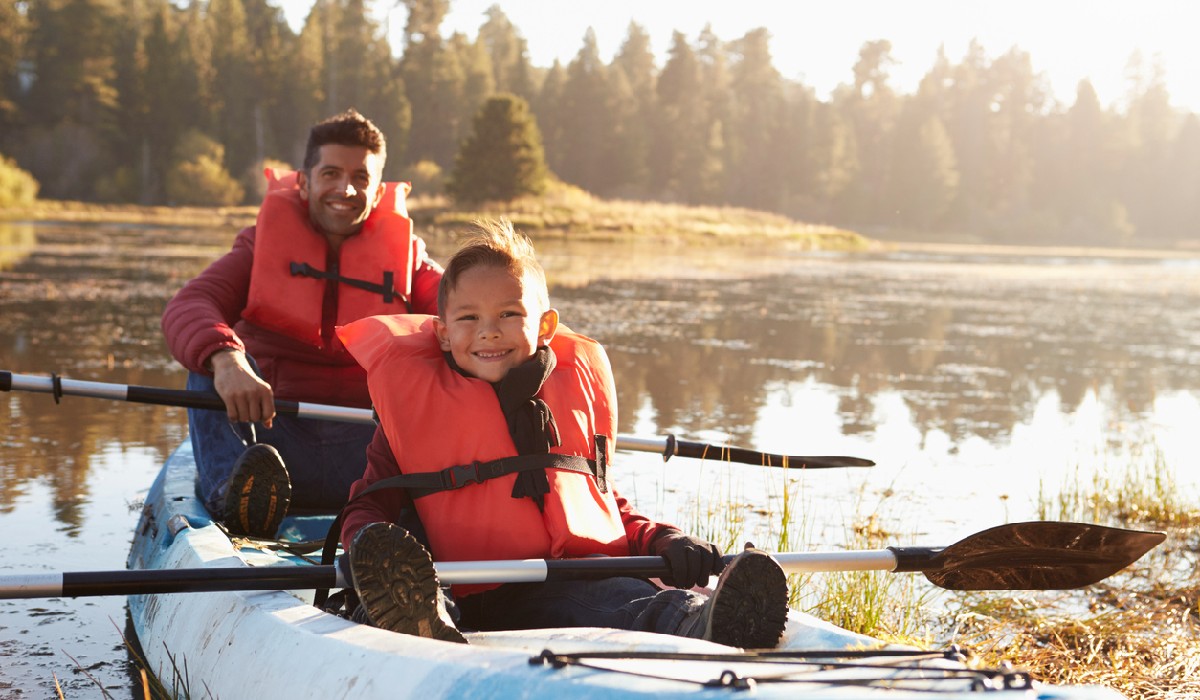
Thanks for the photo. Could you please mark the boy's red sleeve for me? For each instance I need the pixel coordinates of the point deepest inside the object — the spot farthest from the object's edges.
(382, 506)
(639, 529)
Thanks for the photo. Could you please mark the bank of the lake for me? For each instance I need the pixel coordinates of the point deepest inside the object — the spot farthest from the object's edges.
(564, 211)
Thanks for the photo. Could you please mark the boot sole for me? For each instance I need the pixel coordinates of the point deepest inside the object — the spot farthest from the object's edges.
(259, 493)
(750, 611)
(397, 584)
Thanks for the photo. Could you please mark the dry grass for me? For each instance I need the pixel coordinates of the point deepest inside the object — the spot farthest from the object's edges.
(1143, 643)
(567, 210)
(1137, 632)
(879, 604)
(563, 210)
(53, 210)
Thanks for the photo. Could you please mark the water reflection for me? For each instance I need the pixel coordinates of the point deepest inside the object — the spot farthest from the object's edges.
(971, 348)
(969, 371)
(17, 240)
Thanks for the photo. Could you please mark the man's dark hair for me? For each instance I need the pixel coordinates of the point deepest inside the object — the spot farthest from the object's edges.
(346, 129)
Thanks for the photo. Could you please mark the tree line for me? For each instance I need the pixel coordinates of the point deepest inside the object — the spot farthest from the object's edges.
(154, 102)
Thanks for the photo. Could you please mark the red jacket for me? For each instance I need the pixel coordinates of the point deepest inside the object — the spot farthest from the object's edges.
(205, 316)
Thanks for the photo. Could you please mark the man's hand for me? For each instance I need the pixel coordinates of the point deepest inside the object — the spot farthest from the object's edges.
(691, 559)
(247, 397)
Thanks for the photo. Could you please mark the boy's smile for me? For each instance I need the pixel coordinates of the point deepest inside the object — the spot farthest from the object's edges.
(494, 320)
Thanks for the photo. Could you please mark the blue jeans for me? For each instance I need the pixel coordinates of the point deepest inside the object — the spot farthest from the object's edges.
(620, 603)
(323, 457)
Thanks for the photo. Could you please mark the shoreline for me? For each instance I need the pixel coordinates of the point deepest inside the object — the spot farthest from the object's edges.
(1028, 250)
(661, 224)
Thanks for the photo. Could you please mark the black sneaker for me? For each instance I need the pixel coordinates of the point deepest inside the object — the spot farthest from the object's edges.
(748, 608)
(397, 586)
(258, 494)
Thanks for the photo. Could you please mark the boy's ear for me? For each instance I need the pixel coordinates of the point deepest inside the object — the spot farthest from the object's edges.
(379, 193)
(547, 326)
(439, 329)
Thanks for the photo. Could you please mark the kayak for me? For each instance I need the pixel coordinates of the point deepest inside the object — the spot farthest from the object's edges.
(276, 644)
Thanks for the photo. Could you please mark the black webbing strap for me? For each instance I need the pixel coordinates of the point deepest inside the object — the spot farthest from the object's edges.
(601, 463)
(387, 289)
(450, 478)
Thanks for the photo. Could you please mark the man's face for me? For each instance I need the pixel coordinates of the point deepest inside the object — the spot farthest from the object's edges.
(494, 321)
(342, 189)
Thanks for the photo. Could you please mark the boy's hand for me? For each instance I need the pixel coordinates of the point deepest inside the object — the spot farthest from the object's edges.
(691, 559)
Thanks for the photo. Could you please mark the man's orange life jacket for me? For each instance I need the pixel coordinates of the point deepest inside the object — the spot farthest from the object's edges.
(288, 277)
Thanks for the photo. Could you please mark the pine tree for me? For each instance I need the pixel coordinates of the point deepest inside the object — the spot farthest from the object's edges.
(680, 136)
(968, 116)
(924, 177)
(588, 127)
(233, 89)
(14, 33)
(434, 81)
(165, 111)
(548, 109)
(1182, 198)
(270, 42)
(509, 54)
(754, 164)
(502, 159)
(634, 75)
(73, 102)
(478, 77)
(1152, 126)
(871, 108)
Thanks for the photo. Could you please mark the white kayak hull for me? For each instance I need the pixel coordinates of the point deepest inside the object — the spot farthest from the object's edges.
(275, 644)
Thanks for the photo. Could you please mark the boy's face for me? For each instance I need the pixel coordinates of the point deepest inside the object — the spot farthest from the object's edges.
(493, 322)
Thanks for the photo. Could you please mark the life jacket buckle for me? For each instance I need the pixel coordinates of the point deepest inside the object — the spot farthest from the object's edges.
(460, 475)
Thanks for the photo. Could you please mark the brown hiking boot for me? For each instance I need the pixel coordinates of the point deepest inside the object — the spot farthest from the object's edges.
(397, 586)
(747, 609)
(258, 494)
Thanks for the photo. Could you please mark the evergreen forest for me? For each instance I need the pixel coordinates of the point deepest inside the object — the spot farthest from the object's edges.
(184, 101)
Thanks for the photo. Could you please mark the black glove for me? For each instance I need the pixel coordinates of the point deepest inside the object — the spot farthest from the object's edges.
(690, 559)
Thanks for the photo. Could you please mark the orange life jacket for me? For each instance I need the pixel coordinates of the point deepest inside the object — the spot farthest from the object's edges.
(435, 418)
(288, 277)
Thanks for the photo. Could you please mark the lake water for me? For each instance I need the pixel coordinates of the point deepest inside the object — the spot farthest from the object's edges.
(976, 378)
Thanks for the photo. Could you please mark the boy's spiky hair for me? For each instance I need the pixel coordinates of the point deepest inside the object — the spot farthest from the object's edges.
(493, 242)
(346, 129)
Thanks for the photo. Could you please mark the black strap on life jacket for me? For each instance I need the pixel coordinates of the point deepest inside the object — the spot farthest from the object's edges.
(387, 290)
(456, 477)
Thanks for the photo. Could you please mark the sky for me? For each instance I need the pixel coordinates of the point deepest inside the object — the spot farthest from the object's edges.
(817, 43)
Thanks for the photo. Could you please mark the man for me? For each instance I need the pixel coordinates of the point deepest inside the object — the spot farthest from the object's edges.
(331, 244)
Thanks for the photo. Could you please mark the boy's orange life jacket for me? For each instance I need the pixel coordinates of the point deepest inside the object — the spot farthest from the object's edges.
(288, 276)
(435, 418)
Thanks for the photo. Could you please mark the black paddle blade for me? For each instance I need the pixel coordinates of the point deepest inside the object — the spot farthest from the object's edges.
(1040, 555)
(726, 453)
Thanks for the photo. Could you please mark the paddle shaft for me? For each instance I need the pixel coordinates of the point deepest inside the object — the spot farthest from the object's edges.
(1037, 555)
(668, 446)
(246, 578)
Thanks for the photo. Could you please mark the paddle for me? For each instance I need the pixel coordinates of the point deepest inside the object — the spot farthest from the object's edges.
(667, 445)
(1040, 555)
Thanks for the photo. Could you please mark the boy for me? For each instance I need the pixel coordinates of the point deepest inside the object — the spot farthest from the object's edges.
(503, 423)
